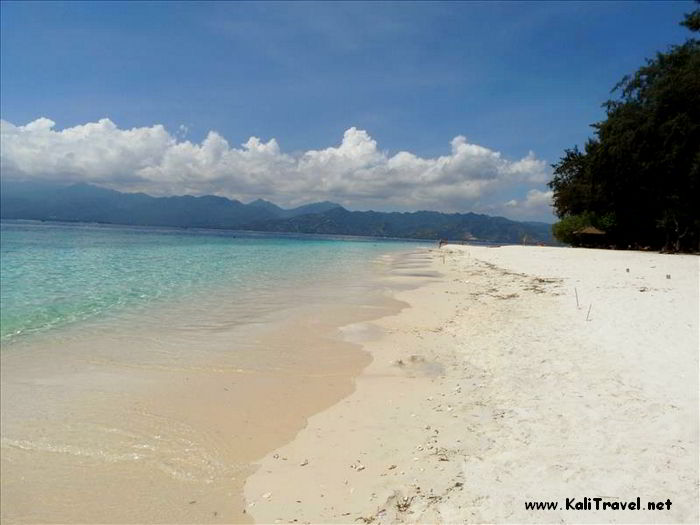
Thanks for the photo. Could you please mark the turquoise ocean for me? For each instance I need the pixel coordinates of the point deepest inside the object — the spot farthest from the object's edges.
(58, 275)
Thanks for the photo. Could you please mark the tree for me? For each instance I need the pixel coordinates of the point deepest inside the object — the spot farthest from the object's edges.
(638, 179)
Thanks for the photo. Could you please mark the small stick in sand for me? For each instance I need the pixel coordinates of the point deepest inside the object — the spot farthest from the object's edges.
(576, 292)
(589, 311)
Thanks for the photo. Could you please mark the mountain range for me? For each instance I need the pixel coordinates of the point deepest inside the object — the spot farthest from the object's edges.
(88, 203)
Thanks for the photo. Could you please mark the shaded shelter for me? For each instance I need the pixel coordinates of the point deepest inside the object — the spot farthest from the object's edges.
(590, 236)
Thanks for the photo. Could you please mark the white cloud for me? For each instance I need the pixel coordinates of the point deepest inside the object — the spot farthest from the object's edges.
(537, 198)
(536, 204)
(355, 173)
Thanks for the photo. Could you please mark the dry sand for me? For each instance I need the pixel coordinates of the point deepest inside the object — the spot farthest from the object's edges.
(491, 388)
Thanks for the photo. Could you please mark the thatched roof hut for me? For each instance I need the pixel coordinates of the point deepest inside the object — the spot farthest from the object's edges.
(589, 230)
(590, 236)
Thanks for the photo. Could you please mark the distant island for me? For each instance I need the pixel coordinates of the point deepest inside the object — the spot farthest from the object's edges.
(88, 203)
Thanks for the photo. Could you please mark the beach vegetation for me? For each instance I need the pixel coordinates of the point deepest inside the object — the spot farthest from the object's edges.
(638, 178)
(565, 230)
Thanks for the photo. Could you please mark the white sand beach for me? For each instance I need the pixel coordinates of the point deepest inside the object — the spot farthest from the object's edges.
(491, 388)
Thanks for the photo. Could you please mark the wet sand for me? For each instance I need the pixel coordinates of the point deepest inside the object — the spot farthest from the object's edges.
(161, 424)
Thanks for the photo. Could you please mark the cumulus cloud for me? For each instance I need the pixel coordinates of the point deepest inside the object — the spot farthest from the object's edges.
(536, 204)
(355, 172)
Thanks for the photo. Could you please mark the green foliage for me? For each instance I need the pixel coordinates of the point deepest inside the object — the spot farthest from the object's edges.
(564, 229)
(640, 175)
(692, 20)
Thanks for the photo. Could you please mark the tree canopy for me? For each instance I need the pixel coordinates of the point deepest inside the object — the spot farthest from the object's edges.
(638, 179)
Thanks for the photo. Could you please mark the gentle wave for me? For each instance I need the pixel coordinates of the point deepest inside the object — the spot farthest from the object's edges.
(176, 452)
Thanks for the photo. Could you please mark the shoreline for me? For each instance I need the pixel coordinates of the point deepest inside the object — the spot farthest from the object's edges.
(493, 389)
(169, 436)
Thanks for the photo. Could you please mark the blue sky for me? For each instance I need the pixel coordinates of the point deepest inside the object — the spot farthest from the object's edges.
(512, 78)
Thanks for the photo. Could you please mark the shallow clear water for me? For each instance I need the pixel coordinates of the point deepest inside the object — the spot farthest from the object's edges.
(144, 368)
(55, 275)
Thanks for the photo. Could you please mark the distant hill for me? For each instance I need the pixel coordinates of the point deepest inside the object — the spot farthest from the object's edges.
(87, 203)
(316, 207)
(416, 225)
